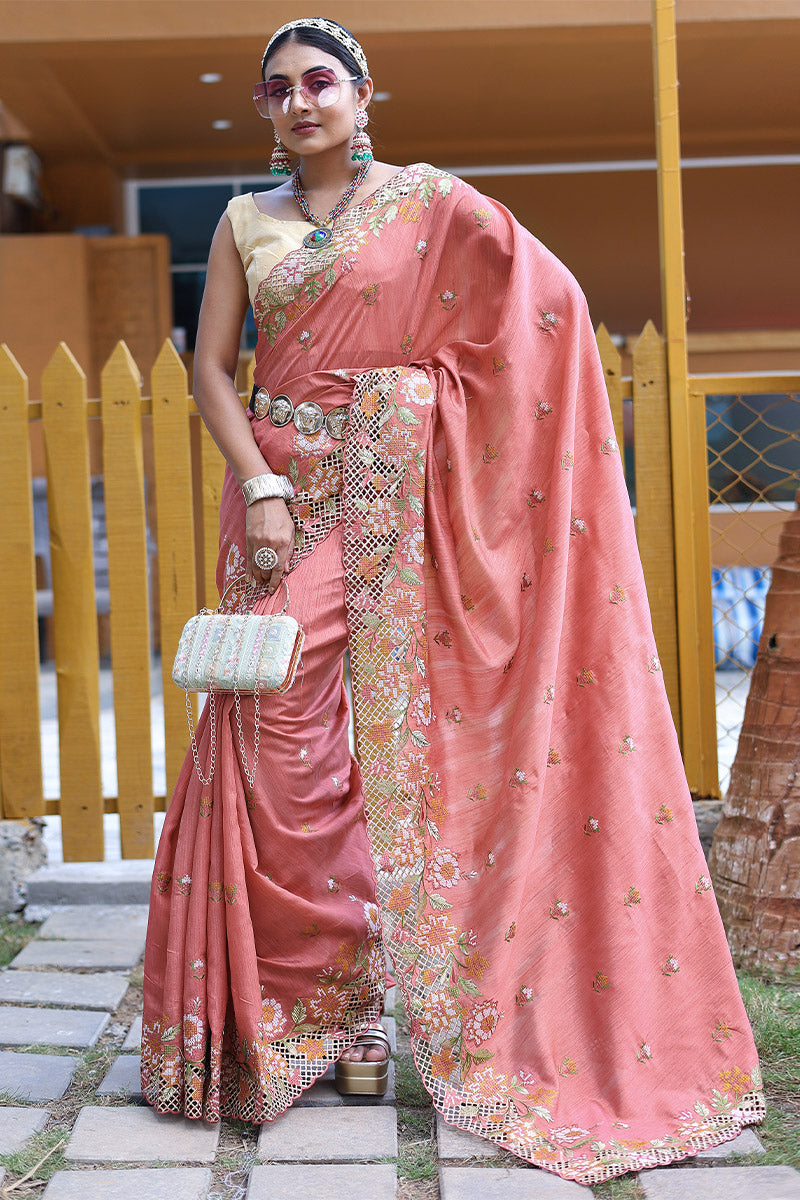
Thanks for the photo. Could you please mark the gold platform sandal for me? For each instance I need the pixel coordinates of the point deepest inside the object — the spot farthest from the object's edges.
(368, 1077)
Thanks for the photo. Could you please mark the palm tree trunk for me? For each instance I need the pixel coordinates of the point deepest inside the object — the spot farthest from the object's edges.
(755, 856)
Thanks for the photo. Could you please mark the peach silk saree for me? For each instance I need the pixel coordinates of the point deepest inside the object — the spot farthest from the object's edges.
(542, 892)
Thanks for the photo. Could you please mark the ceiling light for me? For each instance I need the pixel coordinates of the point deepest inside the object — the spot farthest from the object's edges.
(211, 77)
(379, 96)
(221, 124)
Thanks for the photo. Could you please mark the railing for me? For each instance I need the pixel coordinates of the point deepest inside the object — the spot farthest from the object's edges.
(158, 459)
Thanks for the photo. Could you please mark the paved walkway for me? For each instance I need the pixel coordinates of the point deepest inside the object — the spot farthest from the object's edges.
(69, 1037)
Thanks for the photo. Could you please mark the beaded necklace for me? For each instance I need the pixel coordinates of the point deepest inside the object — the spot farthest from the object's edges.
(323, 234)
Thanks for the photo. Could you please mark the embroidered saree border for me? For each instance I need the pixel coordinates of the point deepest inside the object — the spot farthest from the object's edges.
(437, 963)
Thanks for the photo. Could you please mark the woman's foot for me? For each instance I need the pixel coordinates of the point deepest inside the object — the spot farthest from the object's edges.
(364, 1068)
(361, 1051)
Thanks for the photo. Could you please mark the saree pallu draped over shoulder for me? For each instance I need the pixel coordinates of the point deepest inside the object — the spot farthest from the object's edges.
(542, 891)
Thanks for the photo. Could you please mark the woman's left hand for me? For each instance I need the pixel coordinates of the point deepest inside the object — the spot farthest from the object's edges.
(269, 523)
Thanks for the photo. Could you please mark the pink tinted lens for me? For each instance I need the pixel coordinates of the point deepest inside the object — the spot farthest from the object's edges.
(260, 99)
(321, 87)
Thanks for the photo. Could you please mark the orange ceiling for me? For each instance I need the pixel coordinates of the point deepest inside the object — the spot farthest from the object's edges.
(508, 93)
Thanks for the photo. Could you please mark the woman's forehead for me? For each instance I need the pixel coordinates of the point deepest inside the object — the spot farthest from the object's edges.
(296, 59)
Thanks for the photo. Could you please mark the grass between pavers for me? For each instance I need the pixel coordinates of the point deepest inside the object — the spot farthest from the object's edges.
(773, 1007)
(15, 933)
(417, 1160)
(624, 1187)
(30, 1168)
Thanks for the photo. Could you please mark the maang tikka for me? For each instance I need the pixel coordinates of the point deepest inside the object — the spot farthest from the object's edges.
(362, 146)
(279, 164)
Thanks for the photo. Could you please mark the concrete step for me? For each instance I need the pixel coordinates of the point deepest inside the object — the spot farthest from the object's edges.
(125, 882)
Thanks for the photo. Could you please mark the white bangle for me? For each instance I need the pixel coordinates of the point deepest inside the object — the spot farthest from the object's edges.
(267, 487)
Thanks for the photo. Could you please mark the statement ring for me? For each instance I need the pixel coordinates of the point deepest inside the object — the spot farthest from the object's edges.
(265, 558)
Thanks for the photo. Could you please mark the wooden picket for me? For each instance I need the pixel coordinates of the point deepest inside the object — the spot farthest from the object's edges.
(172, 464)
(212, 467)
(20, 752)
(74, 617)
(611, 359)
(126, 529)
(652, 468)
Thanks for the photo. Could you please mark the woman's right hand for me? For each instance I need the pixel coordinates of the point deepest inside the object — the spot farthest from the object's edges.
(269, 523)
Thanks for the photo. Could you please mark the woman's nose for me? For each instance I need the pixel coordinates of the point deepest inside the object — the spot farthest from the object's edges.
(298, 102)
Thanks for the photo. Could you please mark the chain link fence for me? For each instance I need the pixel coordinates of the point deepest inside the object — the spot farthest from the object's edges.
(754, 474)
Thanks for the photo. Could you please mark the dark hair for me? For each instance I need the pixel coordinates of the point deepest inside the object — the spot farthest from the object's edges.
(322, 41)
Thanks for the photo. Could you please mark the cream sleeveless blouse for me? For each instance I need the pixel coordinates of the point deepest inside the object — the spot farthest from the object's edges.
(262, 240)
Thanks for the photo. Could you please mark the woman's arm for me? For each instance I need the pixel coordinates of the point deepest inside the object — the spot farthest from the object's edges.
(222, 313)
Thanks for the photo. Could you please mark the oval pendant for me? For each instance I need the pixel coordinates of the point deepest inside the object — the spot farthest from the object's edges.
(308, 417)
(261, 403)
(317, 238)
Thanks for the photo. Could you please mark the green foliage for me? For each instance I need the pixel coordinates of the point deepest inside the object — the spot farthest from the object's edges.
(39, 1158)
(15, 933)
(408, 1085)
(625, 1187)
(774, 1011)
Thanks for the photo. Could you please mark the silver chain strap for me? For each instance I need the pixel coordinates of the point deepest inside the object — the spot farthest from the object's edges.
(250, 772)
(212, 715)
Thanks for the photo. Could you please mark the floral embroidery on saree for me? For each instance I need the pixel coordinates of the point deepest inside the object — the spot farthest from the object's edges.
(187, 1069)
(298, 280)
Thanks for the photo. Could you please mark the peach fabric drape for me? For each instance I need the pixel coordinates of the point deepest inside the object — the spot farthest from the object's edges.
(542, 891)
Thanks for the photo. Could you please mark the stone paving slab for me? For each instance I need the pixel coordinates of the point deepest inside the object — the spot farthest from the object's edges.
(100, 922)
(18, 1124)
(745, 1143)
(36, 1076)
(356, 1181)
(389, 1001)
(123, 1076)
(124, 882)
(50, 1026)
(102, 990)
(724, 1183)
(133, 1038)
(323, 1094)
(80, 952)
(2, 1174)
(455, 1143)
(142, 1183)
(139, 1135)
(329, 1134)
(510, 1183)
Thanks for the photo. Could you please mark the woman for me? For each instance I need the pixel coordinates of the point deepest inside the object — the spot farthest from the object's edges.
(428, 382)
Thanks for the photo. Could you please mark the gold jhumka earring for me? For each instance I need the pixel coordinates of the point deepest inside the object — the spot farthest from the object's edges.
(279, 163)
(362, 146)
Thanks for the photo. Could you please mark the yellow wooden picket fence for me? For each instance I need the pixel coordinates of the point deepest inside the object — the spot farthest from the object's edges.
(187, 472)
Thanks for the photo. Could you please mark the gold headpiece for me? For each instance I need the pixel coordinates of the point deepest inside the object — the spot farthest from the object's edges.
(335, 31)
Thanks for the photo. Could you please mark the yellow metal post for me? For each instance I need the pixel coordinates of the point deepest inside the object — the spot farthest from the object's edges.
(689, 476)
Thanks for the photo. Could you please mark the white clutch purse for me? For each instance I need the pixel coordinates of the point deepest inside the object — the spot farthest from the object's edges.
(236, 652)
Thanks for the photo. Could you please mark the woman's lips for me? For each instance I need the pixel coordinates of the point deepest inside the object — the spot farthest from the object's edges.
(305, 127)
